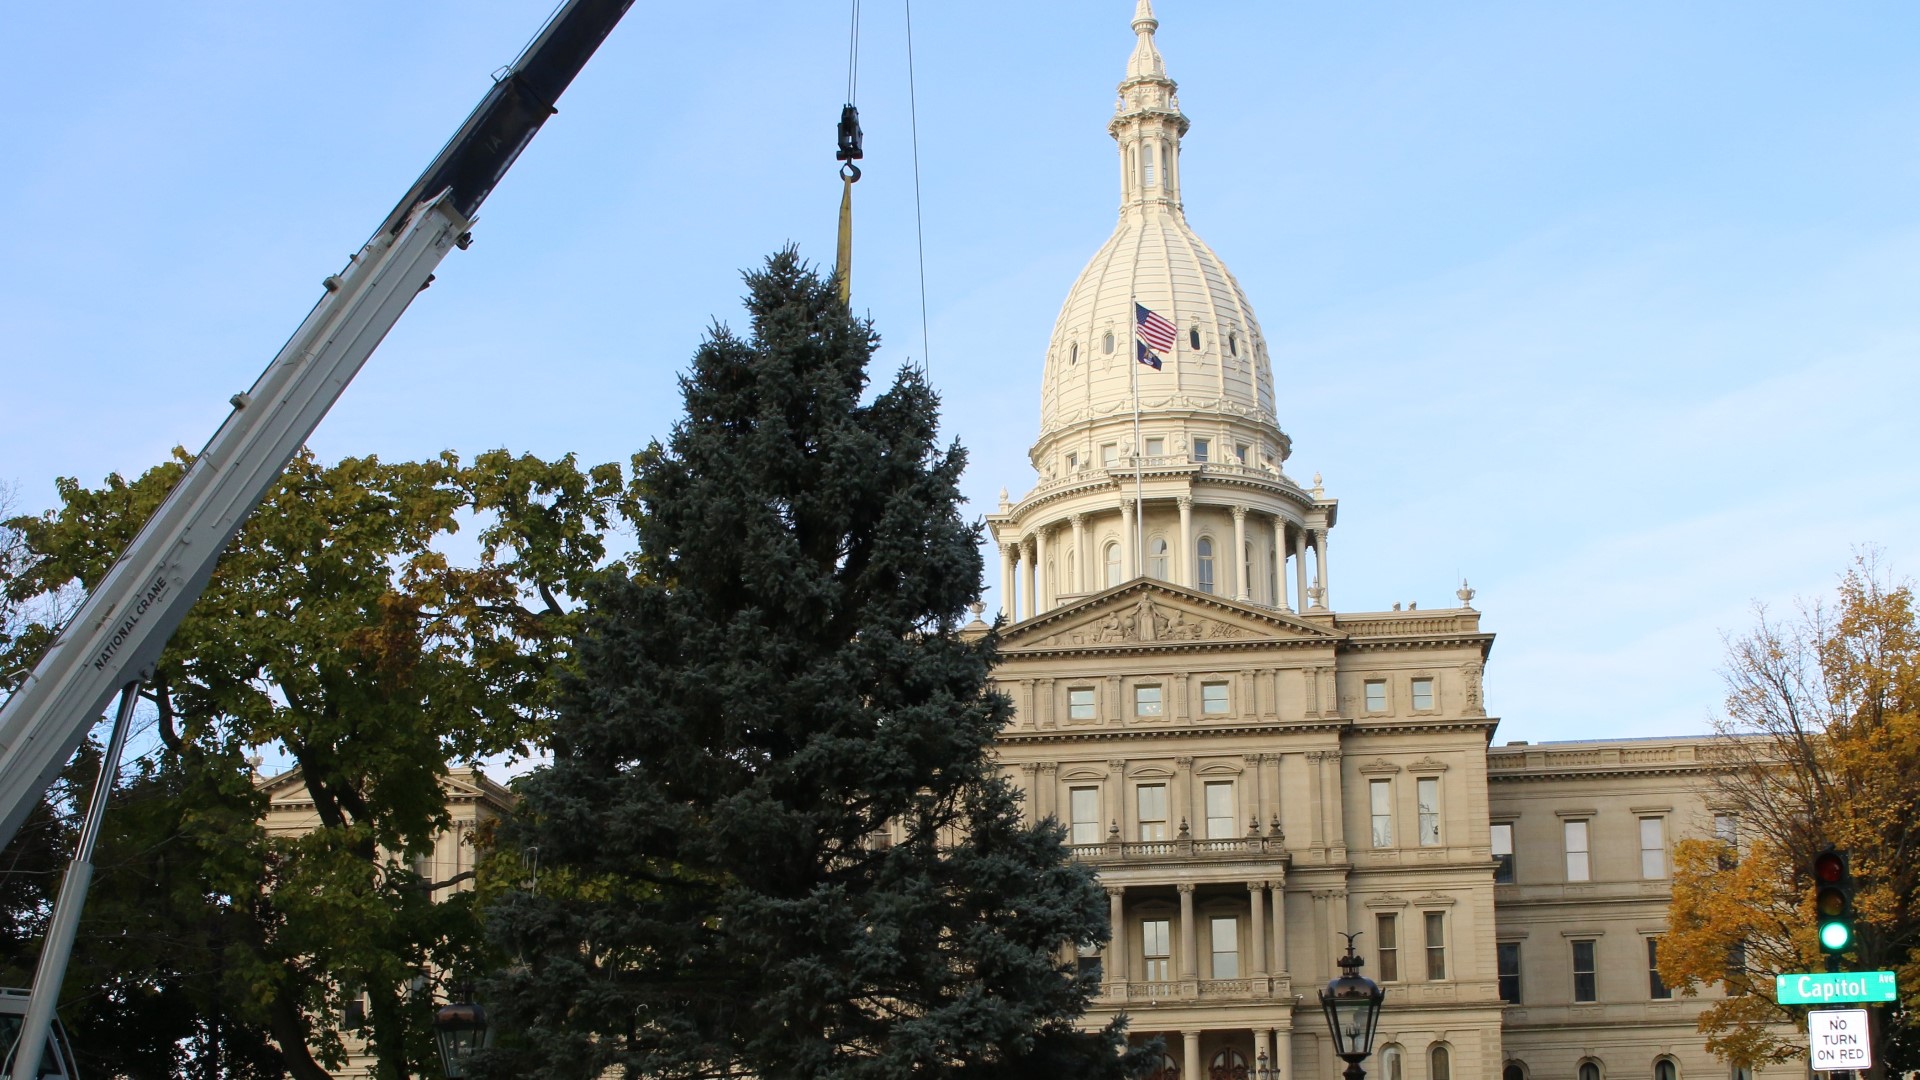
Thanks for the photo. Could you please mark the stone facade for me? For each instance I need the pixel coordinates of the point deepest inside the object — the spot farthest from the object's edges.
(1254, 773)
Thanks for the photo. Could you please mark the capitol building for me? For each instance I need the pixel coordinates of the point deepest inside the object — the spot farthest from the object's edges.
(1255, 771)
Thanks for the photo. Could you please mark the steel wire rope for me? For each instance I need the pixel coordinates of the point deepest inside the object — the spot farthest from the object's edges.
(919, 227)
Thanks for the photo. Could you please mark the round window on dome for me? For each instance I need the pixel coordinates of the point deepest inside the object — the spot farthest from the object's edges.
(1193, 338)
(1106, 343)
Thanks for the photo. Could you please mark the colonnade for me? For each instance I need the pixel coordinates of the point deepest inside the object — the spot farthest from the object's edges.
(1025, 585)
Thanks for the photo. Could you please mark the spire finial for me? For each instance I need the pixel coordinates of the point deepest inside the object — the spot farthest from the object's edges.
(1146, 58)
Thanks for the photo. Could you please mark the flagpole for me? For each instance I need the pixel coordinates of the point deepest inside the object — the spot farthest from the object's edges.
(1139, 501)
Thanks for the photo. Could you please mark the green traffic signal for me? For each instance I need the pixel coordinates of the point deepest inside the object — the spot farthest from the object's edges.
(1833, 900)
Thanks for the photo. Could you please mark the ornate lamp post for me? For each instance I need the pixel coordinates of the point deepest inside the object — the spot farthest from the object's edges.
(1352, 1004)
(1263, 1069)
(460, 1028)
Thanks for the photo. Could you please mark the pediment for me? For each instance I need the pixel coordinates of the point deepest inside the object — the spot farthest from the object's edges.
(1145, 613)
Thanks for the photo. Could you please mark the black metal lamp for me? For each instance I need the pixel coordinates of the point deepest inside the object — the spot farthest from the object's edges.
(1352, 1004)
(1263, 1068)
(460, 1028)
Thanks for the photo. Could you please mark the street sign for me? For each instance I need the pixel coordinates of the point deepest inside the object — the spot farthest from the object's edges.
(1829, 988)
(1838, 1039)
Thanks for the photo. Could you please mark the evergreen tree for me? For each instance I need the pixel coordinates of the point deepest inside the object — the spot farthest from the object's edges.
(781, 684)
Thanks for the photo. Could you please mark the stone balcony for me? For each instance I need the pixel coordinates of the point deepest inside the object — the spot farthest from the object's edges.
(1117, 851)
(1189, 991)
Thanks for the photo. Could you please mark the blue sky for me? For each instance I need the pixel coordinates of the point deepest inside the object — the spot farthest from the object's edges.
(1610, 308)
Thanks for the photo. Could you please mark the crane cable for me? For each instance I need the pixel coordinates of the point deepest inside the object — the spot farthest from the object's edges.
(919, 230)
(849, 150)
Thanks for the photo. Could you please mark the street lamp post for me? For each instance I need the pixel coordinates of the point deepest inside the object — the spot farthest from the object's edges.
(1352, 1004)
(460, 1028)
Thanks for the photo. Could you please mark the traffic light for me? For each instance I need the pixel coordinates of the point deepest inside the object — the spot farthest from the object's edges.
(1833, 900)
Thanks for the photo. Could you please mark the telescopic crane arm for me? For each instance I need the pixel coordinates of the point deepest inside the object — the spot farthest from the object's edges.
(118, 633)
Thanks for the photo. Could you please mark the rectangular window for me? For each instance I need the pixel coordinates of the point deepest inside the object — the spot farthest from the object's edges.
(1080, 703)
(1653, 847)
(1436, 946)
(1583, 978)
(1428, 790)
(1155, 949)
(1507, 956)
(1110, 454)
(1240, 452)
(1156, 447)
(1213, 698)
(1151, 800)
(1726, 829)
(1073, 462)
(1578, 868)
(1376, 695)
(1083, 808)
(1226, 948)
(1146, 701)
(1423, 693)
(1221, 819)
(1380, 801)
(1503, 853)
(1387, 937)
(1090, 962)
(1202, 448)
(1656, 989)
(1736, 963)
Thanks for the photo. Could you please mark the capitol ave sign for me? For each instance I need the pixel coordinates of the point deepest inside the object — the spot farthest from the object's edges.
(1828, 988)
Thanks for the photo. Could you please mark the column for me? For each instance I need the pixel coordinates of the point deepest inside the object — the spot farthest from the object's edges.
(1190, 1054)
(1007, 607)
(1129, 550)
(1078, 583)
(1257, 908)
(1031, 598)
(1114, 966)
(1183, 791)
(1183, 574)
(1189, 934)
(1283, 1055)
(1043, 600)
(1278, 891)
(1280, 598)
(1300, 568)
(1320, 567)
(1240, 554)
(1315, 784)
(1262, 1046)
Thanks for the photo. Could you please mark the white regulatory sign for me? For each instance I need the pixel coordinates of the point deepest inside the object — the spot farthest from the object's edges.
(1838, 1039)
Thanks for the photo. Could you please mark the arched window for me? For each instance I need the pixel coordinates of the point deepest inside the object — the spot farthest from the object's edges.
(1204, 550)
(1193, 338)
(1589, 1070)
(1393, 1064)
(1246, 569)
(1233, 344)
(1073, 578)
(1157, 557)
(1146, 162)
(1073, 353)
(1665, 1069)
(1106, 343)
(1273, 576)
(1168, 1069)
(1513, 1071)
(1227, 1065)
(1111, 557)
(1440, 1064)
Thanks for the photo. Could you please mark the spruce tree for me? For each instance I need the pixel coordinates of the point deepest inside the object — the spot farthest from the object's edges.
(779, 684)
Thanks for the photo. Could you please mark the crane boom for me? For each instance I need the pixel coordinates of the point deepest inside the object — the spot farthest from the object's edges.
(118, 633)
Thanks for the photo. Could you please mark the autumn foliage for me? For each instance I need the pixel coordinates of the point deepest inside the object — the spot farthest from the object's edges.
(1821, 744)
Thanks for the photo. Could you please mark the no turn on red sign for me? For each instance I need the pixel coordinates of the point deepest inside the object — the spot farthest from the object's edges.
(1838, 1039)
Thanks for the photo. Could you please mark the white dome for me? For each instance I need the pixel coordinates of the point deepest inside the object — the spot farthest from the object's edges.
(1219, 364)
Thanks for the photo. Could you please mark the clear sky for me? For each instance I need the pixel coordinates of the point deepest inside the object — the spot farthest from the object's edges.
(1609, 307)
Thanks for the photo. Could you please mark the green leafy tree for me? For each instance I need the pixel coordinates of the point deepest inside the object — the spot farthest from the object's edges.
(772, 840)
(337, 629)
(1822, 746)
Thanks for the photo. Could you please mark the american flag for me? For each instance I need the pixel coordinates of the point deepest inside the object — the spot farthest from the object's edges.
(1154, 330)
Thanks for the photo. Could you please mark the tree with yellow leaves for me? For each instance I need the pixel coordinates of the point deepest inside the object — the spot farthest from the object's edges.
(1820, 744)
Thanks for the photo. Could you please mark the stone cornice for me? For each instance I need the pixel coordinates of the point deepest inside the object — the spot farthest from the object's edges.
(1107, 733)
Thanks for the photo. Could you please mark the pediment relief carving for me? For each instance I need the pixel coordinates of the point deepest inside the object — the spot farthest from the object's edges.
(1153, 614)
(1379, 766)
(1433, 900)
(1428, 764)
